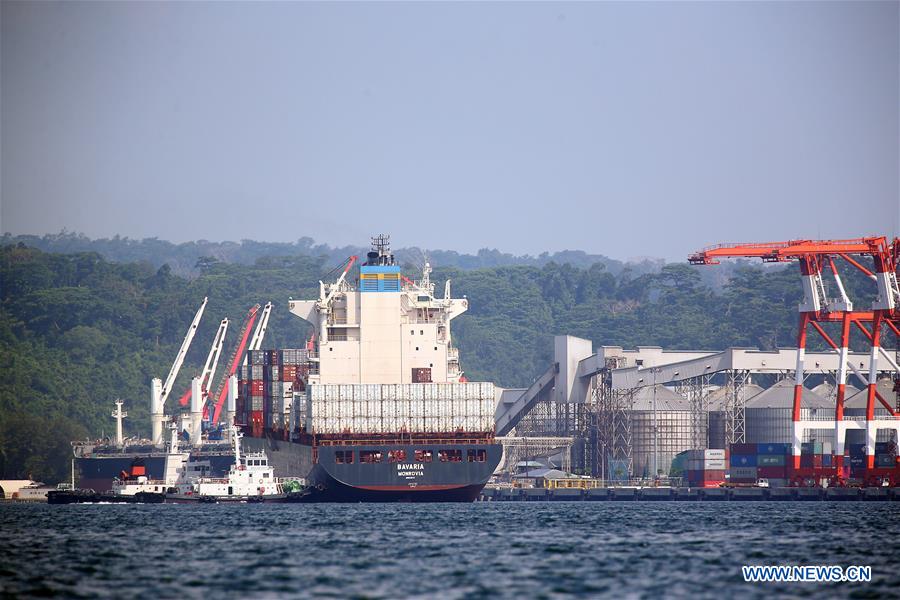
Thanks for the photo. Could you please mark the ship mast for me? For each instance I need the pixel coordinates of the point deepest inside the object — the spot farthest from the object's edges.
(118, 415)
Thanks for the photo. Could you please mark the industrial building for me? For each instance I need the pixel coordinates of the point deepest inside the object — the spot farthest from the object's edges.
(649, 404)
(630, 411)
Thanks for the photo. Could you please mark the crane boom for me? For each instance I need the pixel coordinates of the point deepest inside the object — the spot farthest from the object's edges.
(209, 367)
(337, 284)
(179, 360)
(235, 360)
(791, 250)
(209, 374)
(260, 332)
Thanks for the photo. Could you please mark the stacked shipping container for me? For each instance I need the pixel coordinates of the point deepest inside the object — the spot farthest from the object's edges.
(384, 409)
(266, 387)
(750, 462)
(885, 457)
(704, 468)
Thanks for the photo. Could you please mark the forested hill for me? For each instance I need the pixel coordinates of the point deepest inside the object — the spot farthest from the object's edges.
(183, 258)
(78, 331)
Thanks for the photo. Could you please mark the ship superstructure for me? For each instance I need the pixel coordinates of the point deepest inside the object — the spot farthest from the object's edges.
(384, 328)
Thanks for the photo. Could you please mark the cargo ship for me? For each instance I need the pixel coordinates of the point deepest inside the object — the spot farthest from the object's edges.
(97, 464)
(375, 407)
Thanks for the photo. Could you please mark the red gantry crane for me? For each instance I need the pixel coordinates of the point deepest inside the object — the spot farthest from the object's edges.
(816, 258)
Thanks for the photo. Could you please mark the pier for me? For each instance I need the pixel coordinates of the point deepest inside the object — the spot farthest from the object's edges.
(651, 494)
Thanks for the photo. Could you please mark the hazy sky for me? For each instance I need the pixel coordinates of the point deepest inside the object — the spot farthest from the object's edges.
(625, 129)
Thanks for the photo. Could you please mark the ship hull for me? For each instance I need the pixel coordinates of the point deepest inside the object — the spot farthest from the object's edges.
(91, 497)
(333, 479)
(265, 499)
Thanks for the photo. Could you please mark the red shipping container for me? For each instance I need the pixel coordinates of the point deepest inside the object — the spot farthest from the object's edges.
(288, 373)
(256, 417)
(772, 472)
(257, 387)
(713, 475)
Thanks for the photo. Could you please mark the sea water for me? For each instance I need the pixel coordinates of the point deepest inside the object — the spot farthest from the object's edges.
(480, 550)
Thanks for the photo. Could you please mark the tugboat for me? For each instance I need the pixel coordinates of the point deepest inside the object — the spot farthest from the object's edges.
(250, 479)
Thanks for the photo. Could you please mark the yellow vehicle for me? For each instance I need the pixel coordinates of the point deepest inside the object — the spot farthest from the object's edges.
(573, 482)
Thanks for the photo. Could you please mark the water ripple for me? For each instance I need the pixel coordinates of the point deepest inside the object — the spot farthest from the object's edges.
(485, 550)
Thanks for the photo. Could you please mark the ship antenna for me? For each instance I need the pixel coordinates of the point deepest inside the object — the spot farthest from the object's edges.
(173, 437)
(236, 435)
(381, 244)
(426, 276)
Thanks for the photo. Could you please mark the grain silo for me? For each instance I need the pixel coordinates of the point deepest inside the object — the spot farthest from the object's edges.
(855, 407)
(663, 437)
(718, 399)
(768, 415)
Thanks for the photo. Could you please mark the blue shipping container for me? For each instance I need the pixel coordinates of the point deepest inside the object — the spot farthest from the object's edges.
(769, 460)
(811, 448)
(738, 460)
(885, 460)
(772, 449)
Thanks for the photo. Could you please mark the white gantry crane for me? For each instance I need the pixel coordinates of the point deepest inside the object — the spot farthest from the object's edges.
(159, 391)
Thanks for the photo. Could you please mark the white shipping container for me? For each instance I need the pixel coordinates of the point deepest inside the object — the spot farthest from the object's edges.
(417, 409)
(377, 408)
(361, 425)
(715, 464)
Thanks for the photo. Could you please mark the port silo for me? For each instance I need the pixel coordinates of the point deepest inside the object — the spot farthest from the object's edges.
(768, 415)
(664, 436)
(855, 408)
(718, 400)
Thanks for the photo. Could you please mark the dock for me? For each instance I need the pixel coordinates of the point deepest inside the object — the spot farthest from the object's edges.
(657, 494)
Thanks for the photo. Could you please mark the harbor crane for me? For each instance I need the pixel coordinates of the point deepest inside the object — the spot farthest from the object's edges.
(815, 258)
(212, 361)
(159, 391)
(260, 332)
(234, 360)
(200, 392)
